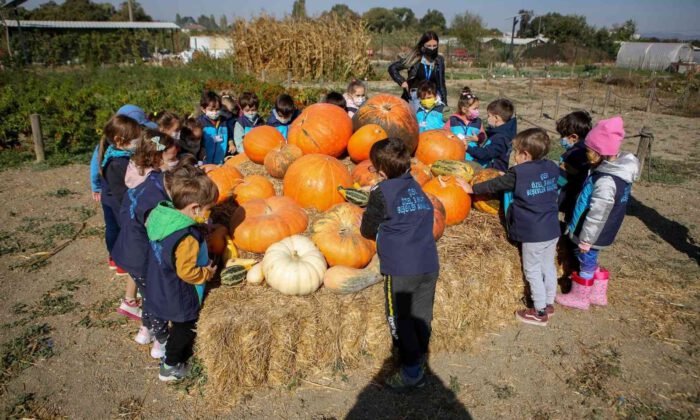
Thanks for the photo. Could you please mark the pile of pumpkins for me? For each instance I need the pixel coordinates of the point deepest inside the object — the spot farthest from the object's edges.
(314, 178)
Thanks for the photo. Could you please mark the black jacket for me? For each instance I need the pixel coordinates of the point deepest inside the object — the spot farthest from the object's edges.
(413, 76)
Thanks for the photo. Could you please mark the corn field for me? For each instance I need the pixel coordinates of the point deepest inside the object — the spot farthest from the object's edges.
(325, 48)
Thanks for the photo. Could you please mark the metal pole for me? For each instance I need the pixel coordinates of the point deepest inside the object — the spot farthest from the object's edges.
(131, 12)
(37, 136)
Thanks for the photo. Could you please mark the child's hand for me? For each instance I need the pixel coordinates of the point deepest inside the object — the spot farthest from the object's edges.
(211, 268)
(97, 196)
(584, 247)
(464, 141)
(464, 185)
(473, 138)
(232, 147)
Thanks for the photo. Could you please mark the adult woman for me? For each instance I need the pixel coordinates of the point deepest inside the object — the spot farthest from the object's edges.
(422, 63)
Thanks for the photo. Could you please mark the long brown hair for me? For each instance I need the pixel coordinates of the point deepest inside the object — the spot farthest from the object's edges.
(147, 154)
(417, 52)
(119, 126)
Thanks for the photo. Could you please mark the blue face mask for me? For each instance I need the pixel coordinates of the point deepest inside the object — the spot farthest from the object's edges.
(564, 142)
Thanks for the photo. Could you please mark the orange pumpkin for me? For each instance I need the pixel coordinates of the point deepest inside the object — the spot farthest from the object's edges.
(361, 142)
(391, 113)
(439, 216)
(252, 187)
(362, 175)
(321, 128)
(226, 178)
(260, 140)
(236, 160)
(487, 203)
(277, 161)
(313, 180)
(439, 145)
(208, 167)
(259, 223)
(421, 172)
(216, 239)
(456, 201)
(337, 235)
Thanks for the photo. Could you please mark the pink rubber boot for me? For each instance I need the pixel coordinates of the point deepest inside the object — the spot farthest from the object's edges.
(579, 295)
(599, 292)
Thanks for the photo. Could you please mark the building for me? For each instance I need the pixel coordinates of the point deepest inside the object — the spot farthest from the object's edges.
(215, 45)
(518, 42)
(658, 56)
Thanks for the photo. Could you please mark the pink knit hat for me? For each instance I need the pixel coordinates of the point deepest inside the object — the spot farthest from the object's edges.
(606, 137)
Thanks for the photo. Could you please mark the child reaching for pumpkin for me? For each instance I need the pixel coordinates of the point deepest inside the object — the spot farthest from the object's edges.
(502, 127)
(400, 216)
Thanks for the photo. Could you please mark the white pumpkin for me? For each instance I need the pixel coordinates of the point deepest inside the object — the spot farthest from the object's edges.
(255, 275)
(294, 266)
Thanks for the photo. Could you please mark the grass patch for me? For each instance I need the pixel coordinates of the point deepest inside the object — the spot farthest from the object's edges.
(61, 192)
(665, 171)
(59, 231)
(92, 231)
(98, 315)
(130, 408)
(34, 344)
(454, 384)
(26, 406)
(591, 378)
(504, 391)
(637, 409)
(84, 212)
(197, 378)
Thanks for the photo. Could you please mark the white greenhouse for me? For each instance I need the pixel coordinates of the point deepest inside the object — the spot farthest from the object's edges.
(653, 55)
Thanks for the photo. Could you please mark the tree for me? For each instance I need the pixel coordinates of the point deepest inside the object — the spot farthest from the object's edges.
(223, 22)
(299, 9)
(625, 31)
(406, 17)
(525, 17)
(122, 14)
(468, 28)
(381, 19)
(343, 11)
(560, 28)
(433, 20)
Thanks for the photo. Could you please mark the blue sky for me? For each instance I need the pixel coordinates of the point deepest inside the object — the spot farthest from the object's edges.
(675, 16)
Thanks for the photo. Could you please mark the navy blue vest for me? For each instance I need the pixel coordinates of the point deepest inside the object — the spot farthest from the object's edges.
(571, 183)
(405, 241)
(108, 199)
(131, 248)
(533, 214)
(617, 213)
(248, 124)
(167, 296)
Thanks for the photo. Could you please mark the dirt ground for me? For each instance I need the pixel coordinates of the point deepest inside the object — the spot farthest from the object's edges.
(65, 352)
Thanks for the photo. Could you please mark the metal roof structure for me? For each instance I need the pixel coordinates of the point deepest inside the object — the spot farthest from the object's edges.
(77, 24)
(652, 55)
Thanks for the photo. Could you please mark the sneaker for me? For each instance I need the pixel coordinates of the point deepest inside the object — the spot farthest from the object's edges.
(550, 310)
(130, 309)
(400, 382)
(530, 316)
(121, 272)
(172, 373)
(158, 349)
(112, 264)
(143, 336)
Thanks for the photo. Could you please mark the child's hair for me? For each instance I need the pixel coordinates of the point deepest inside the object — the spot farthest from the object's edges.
(466, 99)
(191, 124)
(248, 99)
(186, 159)
(390, 156)
(228, 100)
(577, 122)
(187, 185)
(503, 108)
(209, 97)
(164, 119)
(118, 126)
(149, 152)
(427, 88)
(354, 83)
(336, 98)
(284, 105)
(534, 141)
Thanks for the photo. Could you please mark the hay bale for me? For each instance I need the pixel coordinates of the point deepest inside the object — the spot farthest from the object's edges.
(252, 336)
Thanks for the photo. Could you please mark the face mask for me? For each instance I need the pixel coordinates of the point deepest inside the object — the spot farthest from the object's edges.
(171, 164)
(564, 142)
(358, 100)
(213, 115)
(176, 135)
(431, 53)
(133, 144)
(251, 115)
(200, 219)
(473, 114)
(428, 103)
(284, 120)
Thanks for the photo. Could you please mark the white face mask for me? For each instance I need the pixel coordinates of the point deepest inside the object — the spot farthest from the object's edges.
(133, 144)
(283, 120)
(171, 164)
(359, 100)
(251, 115)
(213, 115)
(176, 135)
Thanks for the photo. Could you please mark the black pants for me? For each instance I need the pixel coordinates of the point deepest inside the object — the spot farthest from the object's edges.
(179, 346)
(409, 311)
(158, 327)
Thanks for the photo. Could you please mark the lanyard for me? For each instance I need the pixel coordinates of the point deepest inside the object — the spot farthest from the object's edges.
(428, 69)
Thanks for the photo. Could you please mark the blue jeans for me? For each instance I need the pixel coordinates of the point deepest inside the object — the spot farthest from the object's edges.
(588, 262)
(111, 226)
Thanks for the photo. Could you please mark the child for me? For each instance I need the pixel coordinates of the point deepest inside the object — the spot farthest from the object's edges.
(145, 181)
(177, 262)
(599, 211)
(191, 139)
(355, 96)
(284, 112)
(249, 105)
(400, 217)
(168, 123)
(429, 114)
(336, 98)
(502, 128)
(573, 163)
(466, 123)
(532, 218)
(121, 137)
(229, 104)
(217, 129)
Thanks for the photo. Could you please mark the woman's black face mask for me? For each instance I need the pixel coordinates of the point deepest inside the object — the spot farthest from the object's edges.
(431, 53)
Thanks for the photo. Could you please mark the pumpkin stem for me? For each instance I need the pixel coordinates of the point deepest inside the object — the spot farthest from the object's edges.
(442, 180)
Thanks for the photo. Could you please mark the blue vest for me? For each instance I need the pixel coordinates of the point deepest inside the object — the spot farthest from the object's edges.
(571, 182)
(130, 251)
(429, 120)
(405, 241)
(247, 124)
(533, 213)
(215, 137)
(106, 196)
(167, 296)
(280, 126)
(617, 213)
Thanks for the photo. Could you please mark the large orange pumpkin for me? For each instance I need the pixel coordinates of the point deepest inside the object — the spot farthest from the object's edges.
(362, 174)
(439, 216)
(252, 187)
(337, 235)
(391, 113)
(321, 128)
(361, 142)
(487, 203)
(456, 201)
(260, 140)
(226, 178)
(420, 171)
(313, 180)
(216, 239)
(277, 161)
(259, 223)
(439, 145)
(236, 160)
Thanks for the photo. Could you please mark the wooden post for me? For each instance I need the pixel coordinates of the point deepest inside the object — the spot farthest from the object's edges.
(646, 138)
(650, 101)
(542, 108)
(530, 85)
(37, 136)
(289, 77)
(263, 75)
(500, 93)
(607, 99)
(592, 104)
(556, 107)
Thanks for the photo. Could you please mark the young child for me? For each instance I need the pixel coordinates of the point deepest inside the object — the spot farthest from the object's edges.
(284, 112)
(168, 123)
(250, 119)
(216, 129)
(502, 128)
(336, 98)
(355, 96)
(573, 163)
(429, 114)
(400, 217)
(532, 219)
(178, 262)
(145, 181)
(599, 211)
(191, 139)
(466, 123)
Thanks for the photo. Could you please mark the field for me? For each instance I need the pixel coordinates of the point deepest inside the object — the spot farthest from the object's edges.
(65, 352)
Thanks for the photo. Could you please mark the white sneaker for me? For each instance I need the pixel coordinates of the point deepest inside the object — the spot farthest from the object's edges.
(158, 349)
(132, 310)
(143, 336)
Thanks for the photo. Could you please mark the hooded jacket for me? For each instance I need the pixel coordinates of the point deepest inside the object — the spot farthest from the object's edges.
(496, 150)
(413, 76)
